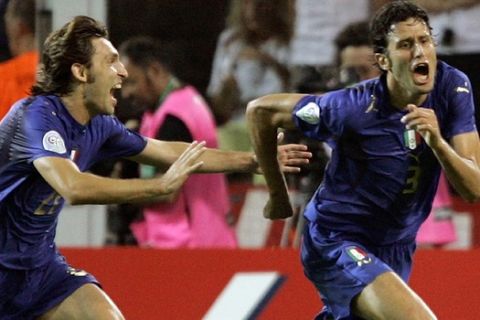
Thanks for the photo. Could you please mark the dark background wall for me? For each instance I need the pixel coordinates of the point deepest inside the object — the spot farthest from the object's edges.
(4, 52)
(191, 26)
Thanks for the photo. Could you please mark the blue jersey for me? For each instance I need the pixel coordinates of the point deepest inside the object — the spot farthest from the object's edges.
(381, 179)
(29, 207)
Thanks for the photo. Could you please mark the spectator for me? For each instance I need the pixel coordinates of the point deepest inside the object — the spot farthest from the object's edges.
(251, 59)
(439, 228)
(18, 73)
(197, 215)
(355, 57)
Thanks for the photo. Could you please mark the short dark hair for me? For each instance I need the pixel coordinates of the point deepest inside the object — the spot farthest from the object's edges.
(354, 34)
(143, 50)
(392, 13)
(24, 10)
(71, 44)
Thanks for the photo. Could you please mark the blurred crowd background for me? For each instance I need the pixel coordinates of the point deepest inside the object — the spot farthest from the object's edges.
(228, 53)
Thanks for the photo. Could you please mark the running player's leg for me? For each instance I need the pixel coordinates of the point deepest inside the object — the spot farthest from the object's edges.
(358, 281)
(62, 292)
(87, 302)
(339, 269)
(389, 297)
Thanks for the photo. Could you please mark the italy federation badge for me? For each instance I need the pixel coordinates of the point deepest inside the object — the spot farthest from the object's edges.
(358, 255)
(410, 138)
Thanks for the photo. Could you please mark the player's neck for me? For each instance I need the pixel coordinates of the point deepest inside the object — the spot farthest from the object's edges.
(400, 97)
(76, 108)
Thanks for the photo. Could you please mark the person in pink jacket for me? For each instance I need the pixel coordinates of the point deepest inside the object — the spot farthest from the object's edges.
(439, 229)
(198, 214)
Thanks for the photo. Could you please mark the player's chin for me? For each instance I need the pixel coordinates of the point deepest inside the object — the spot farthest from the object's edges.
(108, 110)
(424, 88)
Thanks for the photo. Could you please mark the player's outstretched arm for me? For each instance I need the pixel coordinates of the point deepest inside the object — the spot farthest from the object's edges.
(78, 187)
(162, 153)
(264, 116)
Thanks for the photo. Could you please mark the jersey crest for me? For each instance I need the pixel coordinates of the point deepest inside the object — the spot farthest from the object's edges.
(358, 255)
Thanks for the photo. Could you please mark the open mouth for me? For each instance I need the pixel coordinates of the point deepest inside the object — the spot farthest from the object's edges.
(118, 86)
(421, 72)
(114, 90)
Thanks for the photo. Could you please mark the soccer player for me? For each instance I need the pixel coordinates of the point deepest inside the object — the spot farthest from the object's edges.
(48, 142)
(390, 138)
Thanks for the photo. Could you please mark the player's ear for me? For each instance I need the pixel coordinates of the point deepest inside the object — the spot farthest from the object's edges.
(79, 72)
(382, 61)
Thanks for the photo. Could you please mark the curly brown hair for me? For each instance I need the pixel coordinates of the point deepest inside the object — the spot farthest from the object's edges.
(62, 48)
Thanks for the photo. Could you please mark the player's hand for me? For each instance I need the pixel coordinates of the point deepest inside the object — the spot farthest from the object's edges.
(424, 121)
(292, 156)
(278, 209)
(181, 169)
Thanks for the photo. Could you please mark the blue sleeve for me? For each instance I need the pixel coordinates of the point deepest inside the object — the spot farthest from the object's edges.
(120, 142)
(318, 117)
(41, 134)
(461, 110)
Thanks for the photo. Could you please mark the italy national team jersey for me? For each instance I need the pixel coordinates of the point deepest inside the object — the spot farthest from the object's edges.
(381, 179)
(42, 127)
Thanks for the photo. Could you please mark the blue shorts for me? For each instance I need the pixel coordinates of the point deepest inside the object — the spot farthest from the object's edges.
(340, 269)
(28, 294)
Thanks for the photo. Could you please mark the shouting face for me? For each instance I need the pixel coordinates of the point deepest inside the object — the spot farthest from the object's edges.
(410, 61)
(104, 76)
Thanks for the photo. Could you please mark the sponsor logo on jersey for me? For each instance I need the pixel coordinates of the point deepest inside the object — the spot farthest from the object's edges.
(310, 113)
(76, 272)
(52, 141)
(358, 255)
(373, 104)
(462, 89)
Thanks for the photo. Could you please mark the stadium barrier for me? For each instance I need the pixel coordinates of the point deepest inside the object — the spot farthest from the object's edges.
(151, 284)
